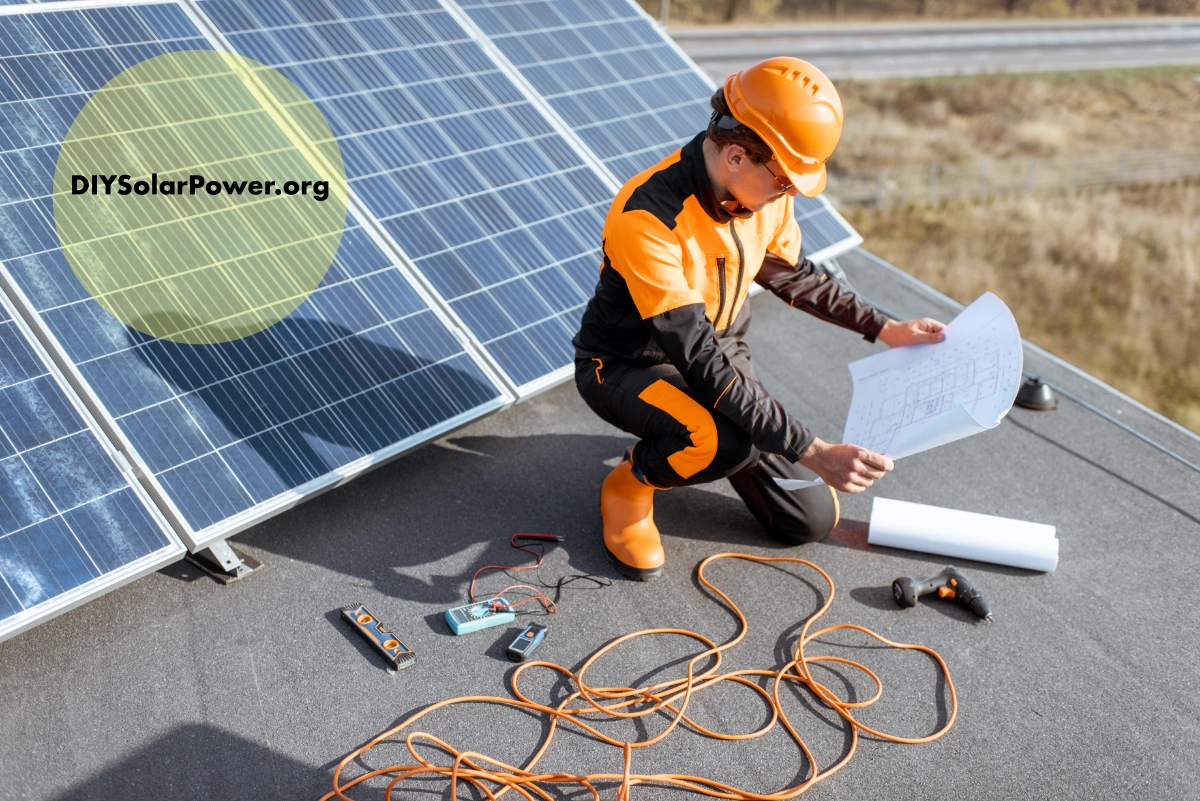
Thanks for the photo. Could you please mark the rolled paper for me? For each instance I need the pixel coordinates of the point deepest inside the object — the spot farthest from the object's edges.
(963, 535)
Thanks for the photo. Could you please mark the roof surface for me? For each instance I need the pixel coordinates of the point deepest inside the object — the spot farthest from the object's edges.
(178, 687)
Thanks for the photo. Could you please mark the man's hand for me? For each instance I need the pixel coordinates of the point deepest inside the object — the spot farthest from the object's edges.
(896, 334)
(847, 468)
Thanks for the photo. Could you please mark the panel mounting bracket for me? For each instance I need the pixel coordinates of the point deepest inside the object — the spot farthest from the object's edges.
(835, 271)
(221, 561)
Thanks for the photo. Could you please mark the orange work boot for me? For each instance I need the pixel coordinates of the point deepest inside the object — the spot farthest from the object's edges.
(630, 536)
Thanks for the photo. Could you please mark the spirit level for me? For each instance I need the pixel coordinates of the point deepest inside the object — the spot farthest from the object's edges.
(397, 653)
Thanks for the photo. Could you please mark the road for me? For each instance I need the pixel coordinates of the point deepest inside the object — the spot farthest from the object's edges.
(953, 48)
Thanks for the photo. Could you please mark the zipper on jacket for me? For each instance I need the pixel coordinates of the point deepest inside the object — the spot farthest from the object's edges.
(737, 289)
(721, 295)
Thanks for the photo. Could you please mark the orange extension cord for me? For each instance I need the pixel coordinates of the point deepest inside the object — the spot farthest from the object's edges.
(494, 778)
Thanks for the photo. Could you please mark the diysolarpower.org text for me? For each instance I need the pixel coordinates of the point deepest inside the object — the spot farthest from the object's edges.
(125, 185)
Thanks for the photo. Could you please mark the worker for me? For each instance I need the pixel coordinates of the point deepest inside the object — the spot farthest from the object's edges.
(660, 352)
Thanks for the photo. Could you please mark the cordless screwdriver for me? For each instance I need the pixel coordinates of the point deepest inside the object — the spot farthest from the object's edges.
(950, 583)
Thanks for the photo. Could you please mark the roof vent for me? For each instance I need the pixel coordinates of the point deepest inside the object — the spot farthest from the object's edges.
(1035, 395)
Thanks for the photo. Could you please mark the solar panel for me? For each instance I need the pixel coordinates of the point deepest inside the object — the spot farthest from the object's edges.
(497, 211)
(479, 172)
(72, 525)
(615, 78)
(224, 432)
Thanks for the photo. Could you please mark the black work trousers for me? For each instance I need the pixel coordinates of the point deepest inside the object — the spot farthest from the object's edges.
(683, 443)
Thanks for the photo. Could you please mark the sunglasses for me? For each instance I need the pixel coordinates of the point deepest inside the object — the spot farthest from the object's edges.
(784, 185)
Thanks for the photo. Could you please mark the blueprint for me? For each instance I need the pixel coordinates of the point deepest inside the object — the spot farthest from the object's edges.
(911, 399)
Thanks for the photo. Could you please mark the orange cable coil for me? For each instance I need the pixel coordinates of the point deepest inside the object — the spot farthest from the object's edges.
(484, 773)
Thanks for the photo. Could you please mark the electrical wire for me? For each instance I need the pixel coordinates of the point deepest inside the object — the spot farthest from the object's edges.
(570, 578)
(549, 605)
(671, 698)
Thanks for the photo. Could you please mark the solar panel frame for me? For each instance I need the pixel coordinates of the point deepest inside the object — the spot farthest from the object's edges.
(383, 239)
(198, 539)
(397, 254)
(817, 215)
(22, 6)
(109, 580)
(195, 537)
(532, 93)
(121, 449)
(562, 129)
(566, 372)
(520, 387)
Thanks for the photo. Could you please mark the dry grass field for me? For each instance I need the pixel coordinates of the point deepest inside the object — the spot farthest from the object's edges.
(1109, 280)
(1005, 116)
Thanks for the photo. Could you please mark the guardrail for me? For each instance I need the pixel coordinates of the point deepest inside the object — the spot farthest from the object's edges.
(935, 183)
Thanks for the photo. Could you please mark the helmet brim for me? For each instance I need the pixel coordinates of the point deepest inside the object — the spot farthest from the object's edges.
(810, 184)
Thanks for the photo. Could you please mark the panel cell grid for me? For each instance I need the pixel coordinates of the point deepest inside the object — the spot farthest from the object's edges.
(69, 519)
(825, 233)
(612, 76)
(608, 72)
(227, 431)
(495, 209)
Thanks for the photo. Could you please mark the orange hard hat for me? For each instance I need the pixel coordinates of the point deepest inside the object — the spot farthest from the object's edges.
(794, 108)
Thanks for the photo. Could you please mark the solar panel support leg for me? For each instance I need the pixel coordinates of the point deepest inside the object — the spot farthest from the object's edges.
(223, 563)
(835, 271)
(227, 559)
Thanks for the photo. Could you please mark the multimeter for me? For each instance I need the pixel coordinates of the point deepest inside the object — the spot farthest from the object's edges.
(526, 641)
(479, 615)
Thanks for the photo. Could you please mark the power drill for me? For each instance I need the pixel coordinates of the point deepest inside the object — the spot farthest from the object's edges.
(950, 583)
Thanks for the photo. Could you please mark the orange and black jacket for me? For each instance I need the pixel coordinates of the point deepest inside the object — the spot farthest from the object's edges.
(674, 283)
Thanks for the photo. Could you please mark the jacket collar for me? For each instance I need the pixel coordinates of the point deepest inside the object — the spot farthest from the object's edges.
(693, 151)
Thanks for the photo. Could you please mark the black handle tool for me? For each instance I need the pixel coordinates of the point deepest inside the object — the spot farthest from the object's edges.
(950, 583)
